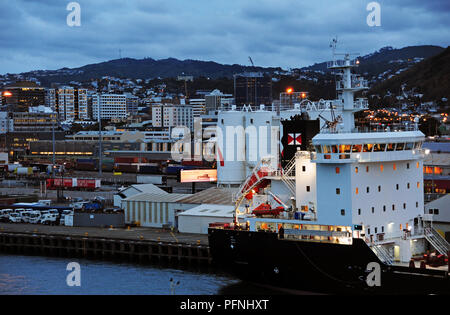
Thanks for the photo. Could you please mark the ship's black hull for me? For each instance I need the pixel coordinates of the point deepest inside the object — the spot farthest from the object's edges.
(319, 267)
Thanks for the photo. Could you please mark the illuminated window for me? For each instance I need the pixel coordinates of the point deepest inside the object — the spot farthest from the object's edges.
(367, 169)
(418, 164)
(395, 167)
(338, 170)
(381, 167)
(401, 227)
(418, 184)
(356, 169)
(356, 190)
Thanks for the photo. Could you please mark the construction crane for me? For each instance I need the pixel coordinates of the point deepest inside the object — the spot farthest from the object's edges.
(251, 61)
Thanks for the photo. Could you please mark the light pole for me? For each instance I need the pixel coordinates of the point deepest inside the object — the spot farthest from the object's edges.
(99, 138)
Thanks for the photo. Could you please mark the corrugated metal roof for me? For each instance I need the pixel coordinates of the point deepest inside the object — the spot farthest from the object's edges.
(149, 188)
(157, 197)
(206, 210)
(214, 195)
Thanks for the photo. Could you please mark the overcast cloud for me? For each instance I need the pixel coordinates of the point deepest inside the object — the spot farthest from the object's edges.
(286, 33)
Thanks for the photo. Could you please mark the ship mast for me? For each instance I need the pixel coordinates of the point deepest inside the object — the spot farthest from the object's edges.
(347, 86)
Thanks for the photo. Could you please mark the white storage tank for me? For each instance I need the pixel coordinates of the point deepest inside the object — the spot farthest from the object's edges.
(231, 149)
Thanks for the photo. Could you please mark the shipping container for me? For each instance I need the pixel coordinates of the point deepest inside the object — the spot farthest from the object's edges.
(126, 168)
(152, 168)
(151, 179)
(126, 160)
(23, 171)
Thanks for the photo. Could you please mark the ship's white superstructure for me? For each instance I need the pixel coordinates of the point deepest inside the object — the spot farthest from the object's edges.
(354, 183)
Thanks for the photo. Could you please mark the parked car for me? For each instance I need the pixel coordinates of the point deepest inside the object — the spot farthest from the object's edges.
(48, 218)
(15, 217)
(4, 214)
(34, 216)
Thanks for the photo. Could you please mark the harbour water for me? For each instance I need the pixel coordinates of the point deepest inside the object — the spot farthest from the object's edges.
(43, 275)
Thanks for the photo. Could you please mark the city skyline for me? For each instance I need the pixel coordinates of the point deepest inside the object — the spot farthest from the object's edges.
(287, 34)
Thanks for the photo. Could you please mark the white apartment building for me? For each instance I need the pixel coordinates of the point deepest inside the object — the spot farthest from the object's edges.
(172, 116)
(6, 123)
(71, 103)
(109, 106)
(198, 106)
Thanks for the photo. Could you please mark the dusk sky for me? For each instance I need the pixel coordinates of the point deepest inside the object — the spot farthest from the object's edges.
(286, 33)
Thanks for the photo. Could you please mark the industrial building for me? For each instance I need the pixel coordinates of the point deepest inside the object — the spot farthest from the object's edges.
(22, 95)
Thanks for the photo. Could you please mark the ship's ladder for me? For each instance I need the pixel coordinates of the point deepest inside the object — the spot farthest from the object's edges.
(381, 253)
(436, 240)
(288, 174)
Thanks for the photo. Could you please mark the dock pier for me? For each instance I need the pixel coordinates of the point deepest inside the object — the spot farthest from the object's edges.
(181, 255)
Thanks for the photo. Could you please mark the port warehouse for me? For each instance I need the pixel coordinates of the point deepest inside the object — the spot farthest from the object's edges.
(168, 210)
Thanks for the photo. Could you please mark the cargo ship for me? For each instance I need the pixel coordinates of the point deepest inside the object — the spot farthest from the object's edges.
(345, 214)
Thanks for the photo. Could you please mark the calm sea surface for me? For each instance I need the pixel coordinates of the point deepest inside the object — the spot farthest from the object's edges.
(43, 275)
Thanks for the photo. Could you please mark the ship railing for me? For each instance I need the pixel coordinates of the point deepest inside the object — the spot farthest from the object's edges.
(342, 63)
(337, 237)
(374, 129)
(356, 83)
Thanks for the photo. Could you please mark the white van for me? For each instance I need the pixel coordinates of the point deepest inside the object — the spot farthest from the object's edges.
(15, 217)
(48, 218)
(34, 216)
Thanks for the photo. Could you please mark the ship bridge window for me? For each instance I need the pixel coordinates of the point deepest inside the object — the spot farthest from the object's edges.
(400, 146)
(409, 146)
(318, 149)
(367, 147)
(344, 148)
(379, 147)
(390, 147)
(326, 149)
(356, 148)
(418, 145)
(334, 148)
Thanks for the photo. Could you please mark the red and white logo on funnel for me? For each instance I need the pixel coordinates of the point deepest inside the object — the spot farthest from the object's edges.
(294, 139)
(298, 139)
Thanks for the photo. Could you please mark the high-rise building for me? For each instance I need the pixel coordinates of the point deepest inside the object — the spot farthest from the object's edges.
(109, 106)
(253, 89)
(72, 103)
(132, 104)
(217, 100)
(21, 95)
